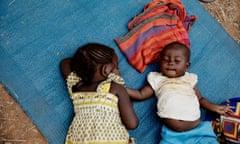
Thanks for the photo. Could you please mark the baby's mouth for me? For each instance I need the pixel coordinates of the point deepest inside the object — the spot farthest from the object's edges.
(171, 71)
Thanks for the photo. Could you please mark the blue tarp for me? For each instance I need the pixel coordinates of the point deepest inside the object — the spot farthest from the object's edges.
(36, 34)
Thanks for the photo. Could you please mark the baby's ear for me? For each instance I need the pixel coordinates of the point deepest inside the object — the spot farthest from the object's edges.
(106, 69)
(188, 65)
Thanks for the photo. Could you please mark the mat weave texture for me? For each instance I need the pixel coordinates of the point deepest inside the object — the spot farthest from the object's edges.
(36, 35)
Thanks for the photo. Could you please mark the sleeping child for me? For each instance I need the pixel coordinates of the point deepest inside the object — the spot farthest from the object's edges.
(179, 99)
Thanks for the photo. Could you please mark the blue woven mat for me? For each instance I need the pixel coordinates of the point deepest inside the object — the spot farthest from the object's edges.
(36, 35)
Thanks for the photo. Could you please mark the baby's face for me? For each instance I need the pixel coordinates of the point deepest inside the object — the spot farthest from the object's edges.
(173, 62)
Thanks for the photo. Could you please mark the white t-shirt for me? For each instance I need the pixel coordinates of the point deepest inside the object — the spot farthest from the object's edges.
(176, 96)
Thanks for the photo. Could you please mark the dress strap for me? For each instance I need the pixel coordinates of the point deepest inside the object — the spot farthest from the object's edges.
(116, 78)
(72, 79)
(105, 85)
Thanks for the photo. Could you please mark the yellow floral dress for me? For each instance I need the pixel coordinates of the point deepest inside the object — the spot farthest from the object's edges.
(97, 117)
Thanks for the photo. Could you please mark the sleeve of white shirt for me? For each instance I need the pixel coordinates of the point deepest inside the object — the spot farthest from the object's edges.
(153, 79)
(192, 78)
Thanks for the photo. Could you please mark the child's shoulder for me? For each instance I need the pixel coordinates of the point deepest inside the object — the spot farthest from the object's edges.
(153, 75)
(191, 75)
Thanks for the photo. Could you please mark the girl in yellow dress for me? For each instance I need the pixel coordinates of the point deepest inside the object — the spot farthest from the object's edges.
(103, 110)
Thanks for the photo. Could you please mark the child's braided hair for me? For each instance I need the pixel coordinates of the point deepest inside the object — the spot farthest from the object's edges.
(88, 57)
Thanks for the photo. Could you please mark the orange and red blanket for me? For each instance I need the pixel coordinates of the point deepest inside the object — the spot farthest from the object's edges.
(161, 23)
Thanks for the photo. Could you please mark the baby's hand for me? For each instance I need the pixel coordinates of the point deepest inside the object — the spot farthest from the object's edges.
(224, 109)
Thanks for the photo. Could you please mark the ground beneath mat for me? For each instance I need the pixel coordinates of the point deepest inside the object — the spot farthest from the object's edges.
(17, 128)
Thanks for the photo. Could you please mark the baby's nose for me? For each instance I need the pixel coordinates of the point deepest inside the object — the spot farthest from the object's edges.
(171, 62)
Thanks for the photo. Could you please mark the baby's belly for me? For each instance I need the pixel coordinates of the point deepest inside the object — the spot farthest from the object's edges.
(180, 125)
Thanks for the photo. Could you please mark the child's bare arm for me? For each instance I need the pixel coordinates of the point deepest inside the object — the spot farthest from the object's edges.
(220, 109)
(128, 115)
(141, 94)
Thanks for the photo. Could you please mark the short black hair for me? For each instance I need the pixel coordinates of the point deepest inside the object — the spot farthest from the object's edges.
(179, 45)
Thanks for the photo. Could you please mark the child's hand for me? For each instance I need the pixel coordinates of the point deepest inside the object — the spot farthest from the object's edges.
(224, 109)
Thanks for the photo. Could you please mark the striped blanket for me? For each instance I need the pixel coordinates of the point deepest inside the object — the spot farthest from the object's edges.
(161, 23)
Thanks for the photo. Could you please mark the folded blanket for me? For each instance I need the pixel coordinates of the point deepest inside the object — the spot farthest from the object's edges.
(161, 23)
